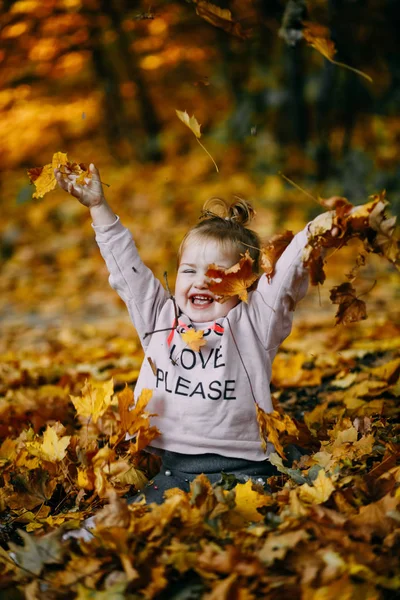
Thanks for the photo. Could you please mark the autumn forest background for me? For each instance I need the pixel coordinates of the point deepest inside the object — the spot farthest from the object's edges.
(286, 125)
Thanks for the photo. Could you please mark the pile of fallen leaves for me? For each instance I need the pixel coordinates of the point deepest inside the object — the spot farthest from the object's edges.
(327, 527)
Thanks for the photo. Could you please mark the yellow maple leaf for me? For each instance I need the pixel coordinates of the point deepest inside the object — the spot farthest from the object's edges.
(194, 339)
(319, 492)
(44, 179)
(234, 281)
(248, 500)
(52, 448)
(59, 160)
(96, 398)
(46, 182)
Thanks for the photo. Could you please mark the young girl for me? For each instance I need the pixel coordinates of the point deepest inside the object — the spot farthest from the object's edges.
(205, 400)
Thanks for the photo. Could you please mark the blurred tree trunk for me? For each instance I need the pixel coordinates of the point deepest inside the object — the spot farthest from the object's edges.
(296, 104)
(150, 147)
(114, 115)
(123, 137)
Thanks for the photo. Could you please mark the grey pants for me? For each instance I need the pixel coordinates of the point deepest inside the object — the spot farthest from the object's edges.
(178, 470)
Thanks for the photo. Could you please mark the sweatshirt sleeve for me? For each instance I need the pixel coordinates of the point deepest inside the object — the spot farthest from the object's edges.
(142, 293)
(272, 304)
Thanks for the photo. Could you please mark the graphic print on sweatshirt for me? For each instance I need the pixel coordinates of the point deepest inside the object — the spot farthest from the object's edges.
(196, 375)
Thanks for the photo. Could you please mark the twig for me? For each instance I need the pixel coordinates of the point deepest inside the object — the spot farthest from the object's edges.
(207, 152)
(176, 313)
(298, 187)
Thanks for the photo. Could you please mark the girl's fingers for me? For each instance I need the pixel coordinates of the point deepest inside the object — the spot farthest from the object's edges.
(94, 172)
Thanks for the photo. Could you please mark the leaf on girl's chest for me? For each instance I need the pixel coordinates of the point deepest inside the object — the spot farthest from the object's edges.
(194, 339)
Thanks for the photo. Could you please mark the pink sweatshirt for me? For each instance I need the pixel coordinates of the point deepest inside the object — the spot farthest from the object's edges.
(205, 400)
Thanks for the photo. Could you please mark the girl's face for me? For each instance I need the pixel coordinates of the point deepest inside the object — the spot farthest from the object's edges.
(192, 293)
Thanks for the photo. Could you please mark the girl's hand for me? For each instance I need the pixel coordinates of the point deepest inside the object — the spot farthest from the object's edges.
(90, 194)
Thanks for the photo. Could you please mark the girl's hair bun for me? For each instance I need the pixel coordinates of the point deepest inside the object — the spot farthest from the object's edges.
(240, 211)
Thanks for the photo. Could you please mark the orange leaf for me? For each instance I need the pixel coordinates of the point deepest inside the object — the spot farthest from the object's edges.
(133, 415)
(317, 37)
(194, 339)
(351, 308)
(270, 253)
(234, 281)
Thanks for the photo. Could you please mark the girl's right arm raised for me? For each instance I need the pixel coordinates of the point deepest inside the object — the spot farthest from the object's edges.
(142, 293)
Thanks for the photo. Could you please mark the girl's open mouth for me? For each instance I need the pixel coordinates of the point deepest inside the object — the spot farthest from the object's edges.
(201, 300)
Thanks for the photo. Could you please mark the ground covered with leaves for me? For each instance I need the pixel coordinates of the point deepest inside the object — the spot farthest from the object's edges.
(327, 527)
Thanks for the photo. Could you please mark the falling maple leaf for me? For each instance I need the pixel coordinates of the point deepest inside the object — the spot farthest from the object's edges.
(95, 400)
(52, 448)
(194, 339)
(134, 419)
(272, 426)
(234, 281)
(351, 308)
(190, 122)
(317, 37)
(220, 17)
(194, 127)
(270, 253)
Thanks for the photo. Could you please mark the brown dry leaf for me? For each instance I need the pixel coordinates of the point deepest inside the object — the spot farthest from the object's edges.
(219, 17)
(351, 308)
(273, 250)
(387, 239)
(277, 545)
(115, 514)
(194, 339)
(337, 203)
(272, 425)
(375, 519)
(234, 281)
(38, 551)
